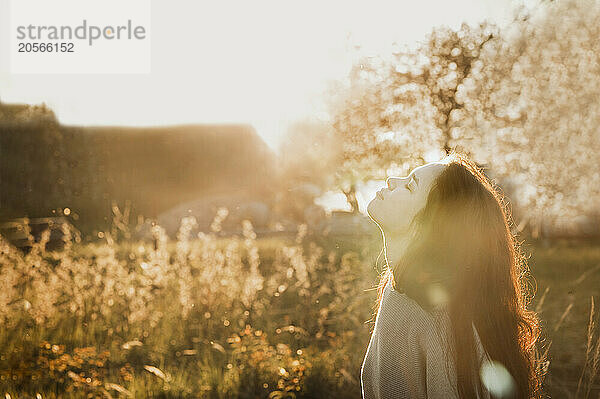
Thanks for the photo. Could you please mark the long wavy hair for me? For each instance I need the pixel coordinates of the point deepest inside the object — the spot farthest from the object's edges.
(460, 245)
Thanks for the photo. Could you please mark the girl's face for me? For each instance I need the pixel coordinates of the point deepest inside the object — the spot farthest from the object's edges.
(394, 206)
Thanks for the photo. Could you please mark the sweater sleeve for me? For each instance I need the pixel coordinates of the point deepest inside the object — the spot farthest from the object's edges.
(408, 354)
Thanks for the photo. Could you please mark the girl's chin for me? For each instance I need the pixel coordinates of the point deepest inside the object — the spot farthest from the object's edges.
(372, 209)
(373, 215)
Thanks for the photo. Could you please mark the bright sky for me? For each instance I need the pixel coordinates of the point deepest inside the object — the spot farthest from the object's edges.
(260, 62)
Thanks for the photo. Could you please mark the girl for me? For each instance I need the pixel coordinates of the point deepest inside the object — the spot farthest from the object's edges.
(451, 320)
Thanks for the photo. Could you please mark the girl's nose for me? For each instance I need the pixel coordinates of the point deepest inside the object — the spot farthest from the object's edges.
(392, 182)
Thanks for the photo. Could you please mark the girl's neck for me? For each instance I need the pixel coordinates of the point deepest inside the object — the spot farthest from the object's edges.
(395, 246)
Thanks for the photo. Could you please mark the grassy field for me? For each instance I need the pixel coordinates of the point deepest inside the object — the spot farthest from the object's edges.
(237, 317)
(568, 276)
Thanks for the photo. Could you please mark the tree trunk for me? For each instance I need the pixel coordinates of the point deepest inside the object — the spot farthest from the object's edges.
(351, 198)
(447, 135)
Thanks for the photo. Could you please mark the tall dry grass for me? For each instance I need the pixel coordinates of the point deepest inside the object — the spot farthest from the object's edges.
(202, 316)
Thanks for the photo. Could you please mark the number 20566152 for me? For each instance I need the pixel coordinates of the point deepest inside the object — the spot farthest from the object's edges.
(46, 47)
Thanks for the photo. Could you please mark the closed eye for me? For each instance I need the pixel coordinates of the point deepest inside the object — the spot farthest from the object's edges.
(412, 184)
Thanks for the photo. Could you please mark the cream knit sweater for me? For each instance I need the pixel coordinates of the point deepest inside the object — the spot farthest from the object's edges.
(406, 356)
